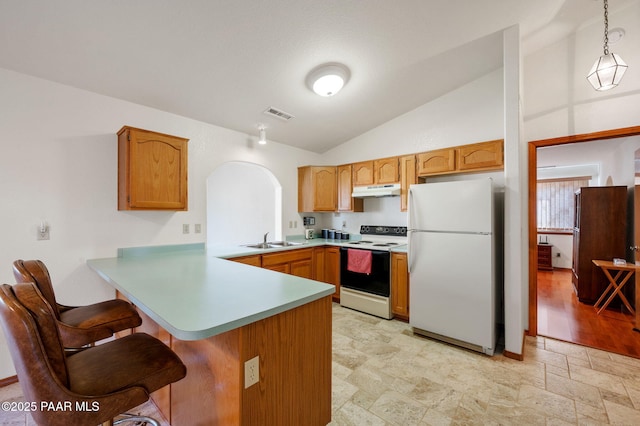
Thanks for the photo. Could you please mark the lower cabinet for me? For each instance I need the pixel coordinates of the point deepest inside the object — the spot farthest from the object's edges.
(317, 263)
(254, 260)
(326, 267)
(295, 262)
(332, 270)
(400, 286)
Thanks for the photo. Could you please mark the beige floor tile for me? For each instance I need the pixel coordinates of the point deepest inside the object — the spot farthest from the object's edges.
(398, 409)
(547, 403)
(384, 375)
(621, 415)
(579, 392)
(598, 379)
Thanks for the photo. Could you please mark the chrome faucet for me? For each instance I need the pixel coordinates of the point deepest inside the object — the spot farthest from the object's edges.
(265, 238)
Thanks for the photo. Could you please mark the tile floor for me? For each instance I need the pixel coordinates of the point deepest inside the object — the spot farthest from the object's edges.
(384, 375)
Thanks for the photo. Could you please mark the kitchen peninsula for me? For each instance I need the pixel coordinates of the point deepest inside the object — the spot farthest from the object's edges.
(216, 315)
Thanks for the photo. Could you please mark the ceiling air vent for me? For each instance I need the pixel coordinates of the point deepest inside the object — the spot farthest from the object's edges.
(274, 112)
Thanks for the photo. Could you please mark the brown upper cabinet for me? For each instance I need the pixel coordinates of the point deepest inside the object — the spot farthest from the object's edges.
(346, 203)
(437, 162)
(363, 173)
(480, 156)
(386, 170)
(374, 172)
(317, 189)
(152, 170)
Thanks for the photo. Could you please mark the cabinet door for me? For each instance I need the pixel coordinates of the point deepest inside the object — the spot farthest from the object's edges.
(480, 156)
(317, 189)
(152, 171)
(407, 178)
(346, 203)
(386, 171)
(301, 268)
(332, 269)
(284, 268)
(363, 173)
(254, 260)
(324, 187)
(296, 262)
(400, 286)
(318, 263)
(436, 162)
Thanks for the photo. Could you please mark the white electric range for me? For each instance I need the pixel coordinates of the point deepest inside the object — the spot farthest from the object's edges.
(368, 290)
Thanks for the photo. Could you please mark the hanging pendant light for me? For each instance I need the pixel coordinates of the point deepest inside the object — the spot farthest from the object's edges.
(608, 70)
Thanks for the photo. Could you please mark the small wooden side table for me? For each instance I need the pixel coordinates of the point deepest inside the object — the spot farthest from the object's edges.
(545, 261)
(625, 272)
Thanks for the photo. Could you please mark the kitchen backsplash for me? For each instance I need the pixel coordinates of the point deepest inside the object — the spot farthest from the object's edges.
(377, 211)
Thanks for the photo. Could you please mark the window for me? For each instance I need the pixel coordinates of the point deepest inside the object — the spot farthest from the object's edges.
(556, 203)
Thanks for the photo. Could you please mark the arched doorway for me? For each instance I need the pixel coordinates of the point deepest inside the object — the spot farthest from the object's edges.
(244, 200)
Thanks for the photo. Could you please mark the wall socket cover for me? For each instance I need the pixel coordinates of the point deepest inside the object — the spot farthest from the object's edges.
(251, 371)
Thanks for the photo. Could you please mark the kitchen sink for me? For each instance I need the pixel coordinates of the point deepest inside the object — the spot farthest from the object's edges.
(273, 244)
(261, 245)
(284, 243)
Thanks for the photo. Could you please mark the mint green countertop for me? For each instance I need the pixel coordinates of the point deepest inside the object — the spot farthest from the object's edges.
(195, 294)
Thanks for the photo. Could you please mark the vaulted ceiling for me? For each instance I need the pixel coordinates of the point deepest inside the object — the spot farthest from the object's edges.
(225, 61)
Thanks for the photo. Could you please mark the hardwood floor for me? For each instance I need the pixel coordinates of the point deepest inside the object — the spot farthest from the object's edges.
(562, 316)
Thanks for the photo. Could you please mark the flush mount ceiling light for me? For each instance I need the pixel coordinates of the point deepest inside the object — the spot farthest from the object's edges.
(608, 70)
(262, 132)
(328, 79)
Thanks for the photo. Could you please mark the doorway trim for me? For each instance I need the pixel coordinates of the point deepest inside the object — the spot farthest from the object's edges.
(533, 231)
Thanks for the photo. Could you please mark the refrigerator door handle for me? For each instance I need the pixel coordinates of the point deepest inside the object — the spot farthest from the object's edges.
(410, 263)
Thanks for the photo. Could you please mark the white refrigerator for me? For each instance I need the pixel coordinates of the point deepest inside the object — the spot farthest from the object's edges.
(452, 262)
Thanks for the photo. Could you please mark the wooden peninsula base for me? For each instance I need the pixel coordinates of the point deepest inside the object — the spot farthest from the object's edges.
(294, 386)
(217, 315)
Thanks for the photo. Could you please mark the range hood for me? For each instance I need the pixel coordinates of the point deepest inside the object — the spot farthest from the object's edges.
(389, 190)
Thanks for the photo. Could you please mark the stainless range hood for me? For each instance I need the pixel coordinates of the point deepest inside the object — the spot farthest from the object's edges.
(389, 190)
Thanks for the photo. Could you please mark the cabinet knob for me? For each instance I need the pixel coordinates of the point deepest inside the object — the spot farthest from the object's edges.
(634, 248)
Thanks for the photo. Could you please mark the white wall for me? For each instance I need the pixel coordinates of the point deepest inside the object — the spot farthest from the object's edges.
(558, 100)
(59, 164)
(472, 113)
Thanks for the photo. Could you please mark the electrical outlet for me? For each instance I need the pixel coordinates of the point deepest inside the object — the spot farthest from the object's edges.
(185, 228)
(251, 371)
(197, 228)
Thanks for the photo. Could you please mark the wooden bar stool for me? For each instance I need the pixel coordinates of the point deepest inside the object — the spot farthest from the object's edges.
(90, 387)
(79, 325)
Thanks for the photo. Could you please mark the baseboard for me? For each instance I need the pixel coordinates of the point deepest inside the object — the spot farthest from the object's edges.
(513, 355)
(8, 381)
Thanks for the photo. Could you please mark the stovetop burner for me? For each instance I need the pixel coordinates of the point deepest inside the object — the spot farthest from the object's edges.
(381, 237)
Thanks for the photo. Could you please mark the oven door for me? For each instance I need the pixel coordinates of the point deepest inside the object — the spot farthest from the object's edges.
(377, 282)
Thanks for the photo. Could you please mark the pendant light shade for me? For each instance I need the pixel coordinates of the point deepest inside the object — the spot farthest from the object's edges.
(608, 70)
